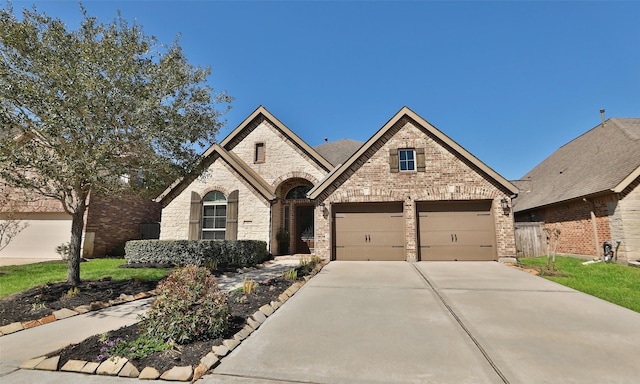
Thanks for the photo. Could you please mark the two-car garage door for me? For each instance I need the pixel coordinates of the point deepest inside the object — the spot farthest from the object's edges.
(455, 230)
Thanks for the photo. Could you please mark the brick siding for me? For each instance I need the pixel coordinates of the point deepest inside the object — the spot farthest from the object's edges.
(573, 219)
(117, 220)
(448, 176)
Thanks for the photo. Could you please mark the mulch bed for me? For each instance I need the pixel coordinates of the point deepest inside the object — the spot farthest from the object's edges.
(42, 301)
(188, 354)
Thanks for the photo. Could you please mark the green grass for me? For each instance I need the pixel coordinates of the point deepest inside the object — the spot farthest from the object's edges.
(612, 282)
(18, 278)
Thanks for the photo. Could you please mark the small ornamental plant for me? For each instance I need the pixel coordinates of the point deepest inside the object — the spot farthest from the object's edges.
(139, 348)
(190, 306)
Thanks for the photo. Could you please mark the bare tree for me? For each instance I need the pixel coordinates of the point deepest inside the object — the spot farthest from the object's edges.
(10, 225)
(553, 238)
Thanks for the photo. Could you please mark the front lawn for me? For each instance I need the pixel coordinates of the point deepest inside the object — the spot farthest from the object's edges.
(615, 283)
(18, 278)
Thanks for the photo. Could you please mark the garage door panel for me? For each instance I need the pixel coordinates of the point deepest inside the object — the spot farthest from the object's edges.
(38, 240)
(458, 220)
(456, 253)
(357, 222)
(368, 252)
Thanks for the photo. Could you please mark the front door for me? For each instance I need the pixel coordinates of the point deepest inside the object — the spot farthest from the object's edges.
(304, 234)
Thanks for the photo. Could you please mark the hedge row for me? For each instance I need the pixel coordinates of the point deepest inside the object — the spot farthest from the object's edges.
(197, 252)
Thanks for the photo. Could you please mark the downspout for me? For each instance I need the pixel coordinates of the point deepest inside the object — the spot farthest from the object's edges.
(593, 207)
(271, 204)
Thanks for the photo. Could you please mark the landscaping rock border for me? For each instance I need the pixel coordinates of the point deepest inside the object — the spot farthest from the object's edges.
(121, 367)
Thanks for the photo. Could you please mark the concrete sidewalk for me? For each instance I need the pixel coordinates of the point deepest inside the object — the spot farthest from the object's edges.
(19, 347)
(448, 322)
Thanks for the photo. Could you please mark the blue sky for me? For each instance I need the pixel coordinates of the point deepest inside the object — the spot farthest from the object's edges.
(511, 81)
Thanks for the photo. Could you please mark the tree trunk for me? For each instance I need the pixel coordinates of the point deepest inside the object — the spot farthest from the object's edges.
(77, 226)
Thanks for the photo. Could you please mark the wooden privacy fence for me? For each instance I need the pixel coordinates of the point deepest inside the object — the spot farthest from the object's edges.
(530, 239)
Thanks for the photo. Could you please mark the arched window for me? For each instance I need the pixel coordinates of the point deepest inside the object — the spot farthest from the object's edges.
(214, 216)
(299, 192)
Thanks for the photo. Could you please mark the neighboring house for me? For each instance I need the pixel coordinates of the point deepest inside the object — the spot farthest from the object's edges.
(408, 193)
(109, 222)
(588, 189)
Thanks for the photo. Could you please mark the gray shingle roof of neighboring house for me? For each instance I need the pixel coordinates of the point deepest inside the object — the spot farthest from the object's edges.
(336, 152)
(604, 159)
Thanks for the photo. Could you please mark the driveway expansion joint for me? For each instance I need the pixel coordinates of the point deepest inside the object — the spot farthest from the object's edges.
(462, 325)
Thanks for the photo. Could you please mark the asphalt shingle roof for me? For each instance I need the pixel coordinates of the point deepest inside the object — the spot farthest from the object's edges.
(337, 152)
(594, 162)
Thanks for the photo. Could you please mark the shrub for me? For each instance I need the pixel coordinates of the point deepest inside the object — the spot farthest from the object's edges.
(63, 250)
(197, 252)
(190, 306)
(308, 263)
(248, 286)
(139, 348)
(291, 274)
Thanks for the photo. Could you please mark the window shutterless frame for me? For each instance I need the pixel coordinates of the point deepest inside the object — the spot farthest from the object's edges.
(407, 160)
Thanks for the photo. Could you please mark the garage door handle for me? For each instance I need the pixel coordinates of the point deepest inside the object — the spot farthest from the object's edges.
(456, 237)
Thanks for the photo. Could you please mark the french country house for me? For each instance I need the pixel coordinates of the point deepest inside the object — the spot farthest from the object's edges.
(589, 190)
(408, 193)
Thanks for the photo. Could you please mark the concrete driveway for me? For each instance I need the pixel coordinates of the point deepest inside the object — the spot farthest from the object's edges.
(466, 322)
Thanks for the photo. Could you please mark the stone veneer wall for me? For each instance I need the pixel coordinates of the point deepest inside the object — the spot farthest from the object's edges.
(113, 221)
(282, 156)
(447, 177)
(253, 209)
(283, 161)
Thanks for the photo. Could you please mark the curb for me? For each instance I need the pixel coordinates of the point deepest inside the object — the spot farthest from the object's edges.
(121, 367)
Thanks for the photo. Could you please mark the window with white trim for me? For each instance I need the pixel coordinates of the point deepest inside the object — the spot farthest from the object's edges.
(214, 216)
(407, 160)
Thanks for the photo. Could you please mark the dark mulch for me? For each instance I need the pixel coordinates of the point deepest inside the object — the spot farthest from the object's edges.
(42, 301)
(189, 354)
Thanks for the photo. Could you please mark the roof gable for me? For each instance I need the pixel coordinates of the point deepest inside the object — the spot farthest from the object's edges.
(603, 159)
(420, 122)
(254, 120)
(224, 151)
(211, 155)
